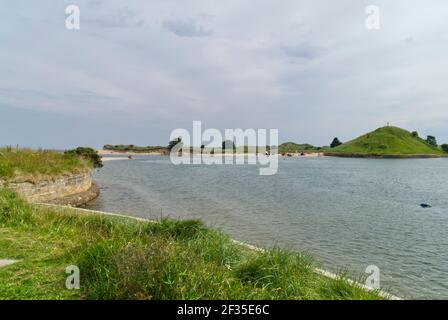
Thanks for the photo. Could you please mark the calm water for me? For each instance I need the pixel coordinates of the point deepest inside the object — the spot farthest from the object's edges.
(349, 213)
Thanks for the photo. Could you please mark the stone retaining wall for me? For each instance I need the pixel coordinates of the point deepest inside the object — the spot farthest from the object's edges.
(48, 190)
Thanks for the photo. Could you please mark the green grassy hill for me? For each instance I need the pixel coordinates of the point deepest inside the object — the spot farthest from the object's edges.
(387, 141)
(293, 147)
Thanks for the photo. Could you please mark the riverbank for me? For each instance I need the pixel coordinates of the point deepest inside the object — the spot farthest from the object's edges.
(384, 156)
(106, 159)
(102, 152)
(121, 258)
(125, 155)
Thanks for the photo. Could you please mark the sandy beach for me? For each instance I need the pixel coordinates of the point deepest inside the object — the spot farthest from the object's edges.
(113, 158)
(126, 154)
(102, 152)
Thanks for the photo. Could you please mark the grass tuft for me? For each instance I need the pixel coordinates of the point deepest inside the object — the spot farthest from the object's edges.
(177, 229)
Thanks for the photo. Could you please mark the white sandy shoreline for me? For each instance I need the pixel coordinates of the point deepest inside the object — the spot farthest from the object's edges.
(127, 154)
(105, 159)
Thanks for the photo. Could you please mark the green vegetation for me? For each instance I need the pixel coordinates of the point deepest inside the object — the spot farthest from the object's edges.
(387, 141)
(335, 143)
(431, 140)
(88, 154)
(175, 142)
(291, 147)
(230, 145)
(444, 147)
(29, 164)
(121, 258)
(132, 148)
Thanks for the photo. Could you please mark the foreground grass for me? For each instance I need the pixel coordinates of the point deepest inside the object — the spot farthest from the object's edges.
(29, 164)
(122, 258)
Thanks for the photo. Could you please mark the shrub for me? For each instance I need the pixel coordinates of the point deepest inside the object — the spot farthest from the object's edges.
(431, 140)
(445, 147)
(335, 143)
(174, 143)
(87, 153)
(228, 144)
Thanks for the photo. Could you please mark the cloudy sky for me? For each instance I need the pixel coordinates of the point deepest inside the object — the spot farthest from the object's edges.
(138, 69)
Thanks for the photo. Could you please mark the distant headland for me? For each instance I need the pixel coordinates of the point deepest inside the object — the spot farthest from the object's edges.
(384, 142)
(132, 149)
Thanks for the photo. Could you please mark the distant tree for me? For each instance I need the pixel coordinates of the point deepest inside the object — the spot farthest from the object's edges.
(202, 148)
(431, 140)
(335, 143)
(415, 134)
(445, 147)
(228, 144)
(174, 142)
(87, 153)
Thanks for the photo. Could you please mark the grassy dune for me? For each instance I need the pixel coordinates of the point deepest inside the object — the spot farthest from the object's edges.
(121, 258)
(291, 147)
(31, 164)
(387, 141)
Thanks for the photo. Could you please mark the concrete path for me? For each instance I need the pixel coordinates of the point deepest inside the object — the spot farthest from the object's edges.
(6, 262)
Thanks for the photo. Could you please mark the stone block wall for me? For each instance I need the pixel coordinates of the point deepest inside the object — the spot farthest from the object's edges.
(48, 190)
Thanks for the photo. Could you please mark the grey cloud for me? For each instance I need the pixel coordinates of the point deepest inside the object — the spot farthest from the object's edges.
(303, 52)
(309, 68)
(186, 28)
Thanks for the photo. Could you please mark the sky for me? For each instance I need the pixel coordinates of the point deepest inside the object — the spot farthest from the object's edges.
(138, 69)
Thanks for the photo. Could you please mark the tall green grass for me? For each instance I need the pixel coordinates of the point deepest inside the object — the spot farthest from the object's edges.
(122, 258)
(27, 163)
